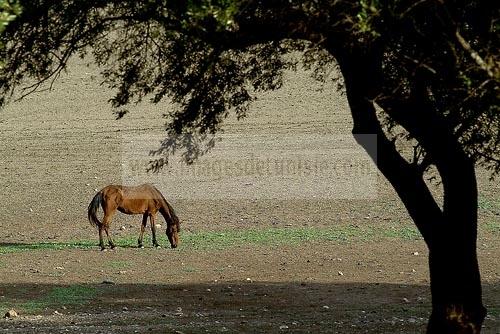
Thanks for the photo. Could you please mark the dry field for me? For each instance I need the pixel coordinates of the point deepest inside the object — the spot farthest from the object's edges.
(286, 226)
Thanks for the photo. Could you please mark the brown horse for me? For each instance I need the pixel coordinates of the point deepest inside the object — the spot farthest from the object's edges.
(144, 199)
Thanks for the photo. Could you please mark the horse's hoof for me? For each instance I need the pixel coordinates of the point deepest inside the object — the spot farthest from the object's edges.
(157, 246)
(104, 249)
(140, 246)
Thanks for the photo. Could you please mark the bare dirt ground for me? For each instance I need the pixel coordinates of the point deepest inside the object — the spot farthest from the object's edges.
(60, 147)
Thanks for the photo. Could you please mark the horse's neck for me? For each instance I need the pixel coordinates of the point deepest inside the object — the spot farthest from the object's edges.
(165, 211)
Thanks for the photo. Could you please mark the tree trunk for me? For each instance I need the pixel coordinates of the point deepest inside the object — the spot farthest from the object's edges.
(450, 233)
(454, 270)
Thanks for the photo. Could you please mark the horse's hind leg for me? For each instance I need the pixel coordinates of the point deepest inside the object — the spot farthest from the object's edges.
(106, 221)
(152, 220)
(101, 240)
(110, 241)
(143, 227)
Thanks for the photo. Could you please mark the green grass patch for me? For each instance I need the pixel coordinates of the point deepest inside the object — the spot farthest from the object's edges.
(490, 205)
(189, 269)
(234, 238)
(402, 232)
(493, 311)
(492, 227)
(119, 264)
(293, 236)
(17, 247)
(274, 236)
(55, 298)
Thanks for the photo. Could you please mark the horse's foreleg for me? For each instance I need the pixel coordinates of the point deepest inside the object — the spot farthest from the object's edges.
(143, 227)
(152, 220)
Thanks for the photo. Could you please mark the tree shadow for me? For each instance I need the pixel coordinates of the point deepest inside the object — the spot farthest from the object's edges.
(233, 307)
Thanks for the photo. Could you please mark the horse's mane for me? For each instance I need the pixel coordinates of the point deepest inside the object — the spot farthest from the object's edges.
(171, 210)
(172, 213)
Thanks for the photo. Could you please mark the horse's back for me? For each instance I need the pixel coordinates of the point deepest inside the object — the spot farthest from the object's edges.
(138, 199)
(145, 191)
(118, 188)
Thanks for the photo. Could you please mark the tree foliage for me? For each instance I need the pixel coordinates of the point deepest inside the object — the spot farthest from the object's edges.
(210, 57)
(448, 59)
(8, 11)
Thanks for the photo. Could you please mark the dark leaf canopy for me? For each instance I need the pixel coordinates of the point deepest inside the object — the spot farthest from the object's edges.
(431, 60)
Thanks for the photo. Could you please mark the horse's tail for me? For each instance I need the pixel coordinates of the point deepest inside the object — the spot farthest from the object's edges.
(93, 207)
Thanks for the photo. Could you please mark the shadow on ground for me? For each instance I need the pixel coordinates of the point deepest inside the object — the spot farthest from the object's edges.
(223, 307)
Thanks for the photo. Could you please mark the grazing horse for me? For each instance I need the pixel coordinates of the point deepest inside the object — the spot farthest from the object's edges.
(144, 199)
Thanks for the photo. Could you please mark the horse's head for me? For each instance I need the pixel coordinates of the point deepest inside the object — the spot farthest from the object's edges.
(173, 230)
